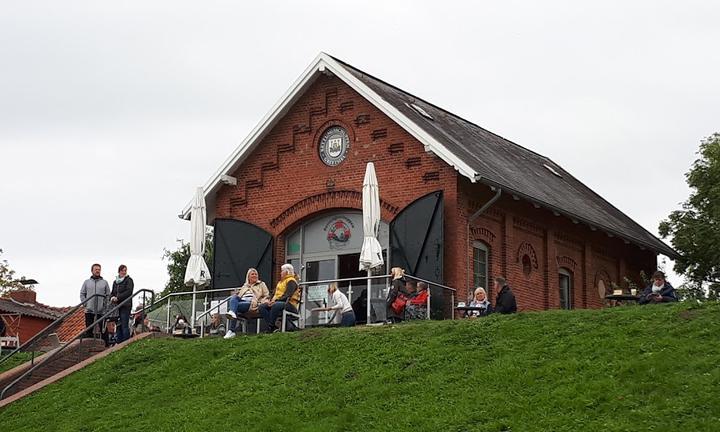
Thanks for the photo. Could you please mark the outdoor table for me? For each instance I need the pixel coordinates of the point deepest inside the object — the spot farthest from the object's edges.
(620, 298)
(467, 308)
(328, 318)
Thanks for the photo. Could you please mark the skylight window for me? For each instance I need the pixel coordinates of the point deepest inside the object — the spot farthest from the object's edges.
(419, 110)
(552, 170)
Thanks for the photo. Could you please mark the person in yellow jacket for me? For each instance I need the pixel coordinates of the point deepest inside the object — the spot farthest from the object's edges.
(286, 297)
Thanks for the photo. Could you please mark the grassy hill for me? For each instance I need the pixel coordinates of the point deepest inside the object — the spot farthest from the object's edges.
(621, 369)
(16, 360)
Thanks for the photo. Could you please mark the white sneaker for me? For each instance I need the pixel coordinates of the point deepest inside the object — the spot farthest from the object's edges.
(229, 335)
(230, 315)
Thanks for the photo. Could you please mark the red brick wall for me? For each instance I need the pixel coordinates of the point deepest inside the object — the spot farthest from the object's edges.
(30, 326)
(512, 228)
(284, 181)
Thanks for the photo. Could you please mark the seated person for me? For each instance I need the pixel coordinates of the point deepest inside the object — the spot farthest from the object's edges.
(110, 332)
(150, 326)
(479, 301)
(659, 291)
(181, 325)
(416, 306)
(339, 302)
(246, 299)
(138, 321)
(287, 296)
(216, 325)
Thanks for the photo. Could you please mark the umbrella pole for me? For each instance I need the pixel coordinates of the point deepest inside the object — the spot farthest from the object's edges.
(192, 322)
(369, 286)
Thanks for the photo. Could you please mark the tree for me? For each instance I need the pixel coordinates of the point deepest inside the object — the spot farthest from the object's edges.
(8, 282)
(177, 263)
(695, 229)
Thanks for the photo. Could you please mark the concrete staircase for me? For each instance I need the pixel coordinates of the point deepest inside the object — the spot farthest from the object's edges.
(78, 351)
(76, 356)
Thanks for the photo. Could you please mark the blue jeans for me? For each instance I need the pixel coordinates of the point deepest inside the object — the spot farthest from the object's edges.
(123, 332)
(271, 314)
(348, 319)
(239, 307)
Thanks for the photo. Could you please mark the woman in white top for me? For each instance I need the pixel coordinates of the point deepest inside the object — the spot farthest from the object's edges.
(339, 302)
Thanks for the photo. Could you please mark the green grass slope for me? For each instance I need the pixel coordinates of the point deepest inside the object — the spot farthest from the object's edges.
(16, 360)
(621, 369)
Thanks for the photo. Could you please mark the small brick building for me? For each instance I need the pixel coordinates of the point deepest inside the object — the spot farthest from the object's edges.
(460, 204)
(23, 316)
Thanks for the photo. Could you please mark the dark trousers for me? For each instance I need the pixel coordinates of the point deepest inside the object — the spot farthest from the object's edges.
(271, 313)
(90, 333)
(348, 319)
(239, 307)
(123, 331)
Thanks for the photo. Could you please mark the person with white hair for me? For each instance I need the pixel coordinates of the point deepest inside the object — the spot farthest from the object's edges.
(286, 297)
(481, 302)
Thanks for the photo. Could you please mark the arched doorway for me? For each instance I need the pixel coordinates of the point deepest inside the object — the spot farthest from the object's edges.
(328, 247)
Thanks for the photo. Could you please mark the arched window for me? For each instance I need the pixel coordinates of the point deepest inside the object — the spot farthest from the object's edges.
(526, 265)
(565, 280)
(601, 287)
(480, 265)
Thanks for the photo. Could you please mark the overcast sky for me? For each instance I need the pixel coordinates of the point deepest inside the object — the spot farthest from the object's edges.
(112, 112)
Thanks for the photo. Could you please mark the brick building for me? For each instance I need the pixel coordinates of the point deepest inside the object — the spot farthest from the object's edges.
(460, 204)
(23, 316)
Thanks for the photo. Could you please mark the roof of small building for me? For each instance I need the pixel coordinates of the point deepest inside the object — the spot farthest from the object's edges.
(71, 326)
(474, 152)
(37, 310)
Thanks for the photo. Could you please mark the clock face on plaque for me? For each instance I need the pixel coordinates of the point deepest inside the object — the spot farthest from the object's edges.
(334, 145)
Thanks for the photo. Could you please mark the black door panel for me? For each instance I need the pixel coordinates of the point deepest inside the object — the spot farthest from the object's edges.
(238, 246)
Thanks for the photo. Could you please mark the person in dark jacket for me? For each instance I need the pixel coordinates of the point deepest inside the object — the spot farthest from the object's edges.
(95, 308)
(122, 289)
(397, 288)
(505, 300)
(659, 291)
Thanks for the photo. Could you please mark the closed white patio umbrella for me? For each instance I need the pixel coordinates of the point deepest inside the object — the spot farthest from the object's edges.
(371, 252)
(197, 273)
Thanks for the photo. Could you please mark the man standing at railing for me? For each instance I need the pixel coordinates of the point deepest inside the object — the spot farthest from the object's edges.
(95, 308)
(287, 296)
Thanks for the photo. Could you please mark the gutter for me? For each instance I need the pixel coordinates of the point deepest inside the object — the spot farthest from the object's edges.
(471, 219)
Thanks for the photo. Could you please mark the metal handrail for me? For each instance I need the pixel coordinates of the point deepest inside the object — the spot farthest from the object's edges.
(175, 294)
(204, 314)
(52, 326)
(431, 283)
(368, 278)
(78, 336)
(452, 294)
(217, 306)
(363, 278)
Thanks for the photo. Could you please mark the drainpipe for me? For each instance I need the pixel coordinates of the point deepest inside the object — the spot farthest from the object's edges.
(471, 219)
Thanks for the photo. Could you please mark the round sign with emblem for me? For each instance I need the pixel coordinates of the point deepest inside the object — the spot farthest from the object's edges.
(334, 145)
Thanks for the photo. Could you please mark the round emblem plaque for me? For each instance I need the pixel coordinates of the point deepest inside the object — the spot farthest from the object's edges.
(334, 145)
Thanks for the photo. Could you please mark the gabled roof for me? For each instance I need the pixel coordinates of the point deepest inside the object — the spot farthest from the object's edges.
(474, 152)
(37, 310)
